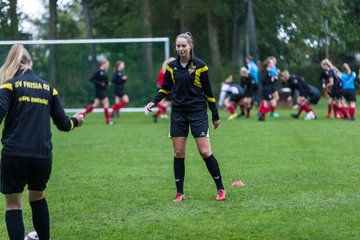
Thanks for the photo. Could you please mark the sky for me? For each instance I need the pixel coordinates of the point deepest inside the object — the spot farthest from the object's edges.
(34, 9)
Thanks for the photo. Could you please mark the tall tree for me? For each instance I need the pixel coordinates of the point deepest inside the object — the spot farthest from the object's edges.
(251, 30)
(9, 20)
(147, 32)
(184, 20)
(89, 29)
(237, 35)
(52, 35)
(213, 39)
(14, 21)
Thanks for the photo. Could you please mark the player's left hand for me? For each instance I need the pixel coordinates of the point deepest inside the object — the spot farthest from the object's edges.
(216, 123)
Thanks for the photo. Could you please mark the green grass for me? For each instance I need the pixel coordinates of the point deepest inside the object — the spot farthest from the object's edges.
(116, 182)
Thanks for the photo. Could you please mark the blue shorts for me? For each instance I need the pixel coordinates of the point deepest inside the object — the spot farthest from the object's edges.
(180, 124)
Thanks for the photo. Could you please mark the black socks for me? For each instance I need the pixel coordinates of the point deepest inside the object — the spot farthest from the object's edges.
(213, 167)
(179, 170)
(40, 217)
(14, 224)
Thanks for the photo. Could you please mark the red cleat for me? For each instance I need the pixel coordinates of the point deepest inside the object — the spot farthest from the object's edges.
(221, 195)
(179, 197)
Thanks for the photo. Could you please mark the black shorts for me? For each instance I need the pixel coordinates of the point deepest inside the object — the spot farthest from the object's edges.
(335, 93)
(314, 95)
(16, 172)
(350, 95)
(267, 93)
(235, 97)
(249, 93)
(180, 123)
(119, 93)
(100, 94)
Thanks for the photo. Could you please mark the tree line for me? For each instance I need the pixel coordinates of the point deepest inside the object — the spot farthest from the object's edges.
(299, 33)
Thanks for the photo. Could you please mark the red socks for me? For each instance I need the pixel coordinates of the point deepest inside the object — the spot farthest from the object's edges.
(117, 107)
(330, 106)
(300, 110)
(336, 110)
(344, 112)
(161, 109)
(306, 107)
(352, 112)
(263, 109)
(272, 109)
(122, 104)
(107, 115)
(88, 109)
(231, 109)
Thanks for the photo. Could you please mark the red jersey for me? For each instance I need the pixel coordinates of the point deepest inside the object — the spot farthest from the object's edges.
(160, 79)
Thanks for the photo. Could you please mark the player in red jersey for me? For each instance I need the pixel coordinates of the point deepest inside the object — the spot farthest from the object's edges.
(165, 102)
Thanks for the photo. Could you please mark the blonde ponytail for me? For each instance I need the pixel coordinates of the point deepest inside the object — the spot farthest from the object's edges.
(17, 58)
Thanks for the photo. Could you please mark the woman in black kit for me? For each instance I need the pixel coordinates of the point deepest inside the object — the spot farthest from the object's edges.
(248, 82)
(27, 103)
(187, 77)
(119, 79)
(101, 82)
(297, 84)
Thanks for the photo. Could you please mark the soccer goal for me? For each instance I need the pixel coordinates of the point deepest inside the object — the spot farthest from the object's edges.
(74, 65)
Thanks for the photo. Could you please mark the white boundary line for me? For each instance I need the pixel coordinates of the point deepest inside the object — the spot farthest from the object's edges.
(75, 110)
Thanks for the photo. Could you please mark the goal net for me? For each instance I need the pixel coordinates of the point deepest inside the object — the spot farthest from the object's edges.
(74, 65)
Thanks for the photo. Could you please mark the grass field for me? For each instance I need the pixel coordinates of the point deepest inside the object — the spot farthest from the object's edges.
(116, 182)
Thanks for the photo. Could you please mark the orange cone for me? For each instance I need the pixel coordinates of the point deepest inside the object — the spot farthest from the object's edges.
(237, 183)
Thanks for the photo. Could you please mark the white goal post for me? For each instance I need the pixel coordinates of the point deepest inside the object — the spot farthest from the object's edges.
(165, 40)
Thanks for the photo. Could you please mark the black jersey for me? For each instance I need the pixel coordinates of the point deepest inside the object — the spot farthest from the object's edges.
(267, 79)
(100, 79)
(249, 84)
(28, 102)
(119, 80)
(296, 83)
(190, 86)
(326, 75)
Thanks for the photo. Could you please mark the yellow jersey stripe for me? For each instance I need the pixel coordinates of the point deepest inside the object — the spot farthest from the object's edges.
(164, 91)
(210, 99)
(72, 125)
(197, 76)
(7, 86)
(171, 73)
(55, 92)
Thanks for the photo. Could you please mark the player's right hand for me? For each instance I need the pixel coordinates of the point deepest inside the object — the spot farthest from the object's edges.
(79, 117)
(149, 106)
(216, 123)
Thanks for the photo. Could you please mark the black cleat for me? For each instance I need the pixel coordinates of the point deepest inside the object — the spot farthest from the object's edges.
(155, 118)
(295, 116)
(261, 117)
